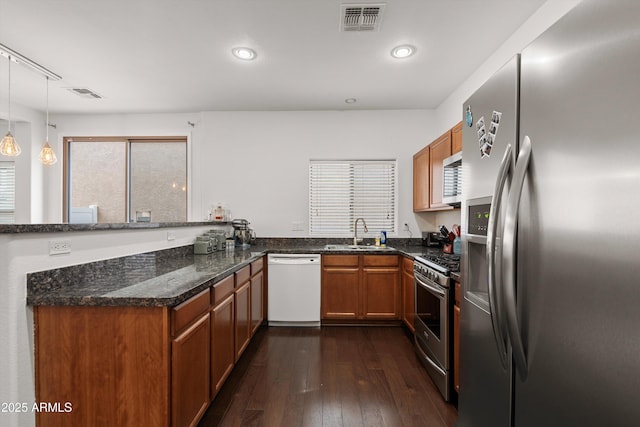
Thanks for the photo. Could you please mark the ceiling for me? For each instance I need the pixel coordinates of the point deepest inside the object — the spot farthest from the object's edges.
(152, 56)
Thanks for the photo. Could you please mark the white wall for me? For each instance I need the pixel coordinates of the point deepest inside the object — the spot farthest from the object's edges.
(260, 159)
(257, 162)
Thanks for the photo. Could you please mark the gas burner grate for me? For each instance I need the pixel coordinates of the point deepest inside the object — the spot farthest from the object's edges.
(446, 263)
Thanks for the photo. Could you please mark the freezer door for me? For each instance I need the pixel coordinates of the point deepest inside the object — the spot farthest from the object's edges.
(579, 297)
(485, 384)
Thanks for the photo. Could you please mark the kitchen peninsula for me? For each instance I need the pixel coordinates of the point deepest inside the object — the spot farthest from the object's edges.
(164, 297)
(25, 249)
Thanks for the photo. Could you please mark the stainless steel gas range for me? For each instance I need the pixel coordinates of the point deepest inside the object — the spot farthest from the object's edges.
(434, 316)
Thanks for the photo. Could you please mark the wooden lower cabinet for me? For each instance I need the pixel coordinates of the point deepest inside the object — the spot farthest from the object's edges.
(408, 293)
(257, 296)
(111, 364)
(360, 287)
(143, 366)
(340, 292)
(456, 338)
(242, 318)
(190, 373)
(223, 353)
(380, 294)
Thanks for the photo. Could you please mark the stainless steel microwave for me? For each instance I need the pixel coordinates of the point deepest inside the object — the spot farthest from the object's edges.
(452, 179)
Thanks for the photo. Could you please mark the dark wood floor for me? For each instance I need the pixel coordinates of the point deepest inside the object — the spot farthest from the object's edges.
(329, 376)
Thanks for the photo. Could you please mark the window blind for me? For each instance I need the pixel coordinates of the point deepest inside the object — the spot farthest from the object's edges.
(340, 191)
(7, 192)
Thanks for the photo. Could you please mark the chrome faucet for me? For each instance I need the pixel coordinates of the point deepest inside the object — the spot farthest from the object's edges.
(355, 230)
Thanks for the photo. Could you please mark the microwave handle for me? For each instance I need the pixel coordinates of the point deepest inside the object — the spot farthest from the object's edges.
(495, 300)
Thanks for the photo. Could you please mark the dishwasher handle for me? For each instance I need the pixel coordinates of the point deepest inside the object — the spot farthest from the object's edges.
(294, 259)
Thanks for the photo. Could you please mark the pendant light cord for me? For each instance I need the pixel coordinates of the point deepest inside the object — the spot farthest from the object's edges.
(9, 94)
(46, 125)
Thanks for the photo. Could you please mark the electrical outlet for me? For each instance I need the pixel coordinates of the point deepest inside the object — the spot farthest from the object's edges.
(59, 247)
(171, 235)
(297, 226)
(405, 226)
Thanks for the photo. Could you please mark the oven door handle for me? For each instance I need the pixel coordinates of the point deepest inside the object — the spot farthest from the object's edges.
(430, 287)
(495, 300)
(509, 257)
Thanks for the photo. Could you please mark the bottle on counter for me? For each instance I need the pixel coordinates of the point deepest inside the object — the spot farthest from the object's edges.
(218, 213)
(457, 245)
(383, 238)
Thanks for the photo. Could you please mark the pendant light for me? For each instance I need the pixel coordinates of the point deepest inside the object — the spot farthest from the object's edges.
(9, 146)
(47, 156)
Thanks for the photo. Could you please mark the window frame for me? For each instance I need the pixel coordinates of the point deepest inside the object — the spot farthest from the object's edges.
(352, 210)
(9, 212)
(128, 140)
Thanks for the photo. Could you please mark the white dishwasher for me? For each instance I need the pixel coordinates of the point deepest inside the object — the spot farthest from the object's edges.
(293, 290)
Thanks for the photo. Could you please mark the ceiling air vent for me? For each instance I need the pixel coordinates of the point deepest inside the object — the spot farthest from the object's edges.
(84, 92)
(361, 17)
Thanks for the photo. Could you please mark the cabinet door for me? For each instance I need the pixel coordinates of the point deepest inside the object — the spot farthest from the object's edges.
(340, 293)
(456, 337)
(381, 293)
(439, 150)
(257, 314)
(456, 138)
(243, 317)
(190, 373)
(223, 353)
(408, 299)
(456, 348)
(421, 180)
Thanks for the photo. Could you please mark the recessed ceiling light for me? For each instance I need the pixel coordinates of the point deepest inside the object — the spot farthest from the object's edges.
(350, 100)
(244, 53)
(403, 51)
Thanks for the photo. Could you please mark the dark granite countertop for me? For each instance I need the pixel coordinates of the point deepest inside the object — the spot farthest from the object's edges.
(164, 278)
(168, 277)
(51, 228)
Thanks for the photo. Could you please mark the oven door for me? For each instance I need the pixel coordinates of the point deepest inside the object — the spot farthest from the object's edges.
(432, 319)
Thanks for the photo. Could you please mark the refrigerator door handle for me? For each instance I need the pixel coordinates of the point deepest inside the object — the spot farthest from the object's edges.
(509, 257)
(495, 302)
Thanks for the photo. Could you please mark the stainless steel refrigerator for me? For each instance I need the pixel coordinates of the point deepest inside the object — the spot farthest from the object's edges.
(550, 316)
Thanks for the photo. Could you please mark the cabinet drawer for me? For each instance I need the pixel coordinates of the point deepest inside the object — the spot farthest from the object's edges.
(340, 260)
(222, 289)
(257, 266)
(407, 265)
(243, 275)
(183, 314)
(380, 260)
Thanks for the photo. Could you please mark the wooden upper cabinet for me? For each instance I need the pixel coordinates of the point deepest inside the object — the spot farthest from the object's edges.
(456, 138)
(427, 170)
(421, 180)
(439, 150)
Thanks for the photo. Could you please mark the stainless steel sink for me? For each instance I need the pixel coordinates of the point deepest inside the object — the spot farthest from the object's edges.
(356, 248)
